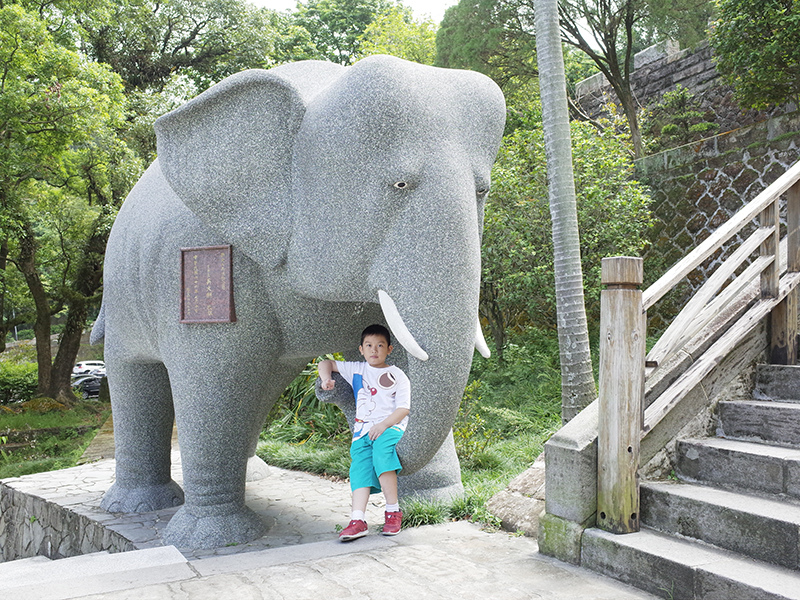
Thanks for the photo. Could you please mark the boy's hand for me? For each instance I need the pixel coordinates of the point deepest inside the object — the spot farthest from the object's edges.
(328, 384)
(376, 430)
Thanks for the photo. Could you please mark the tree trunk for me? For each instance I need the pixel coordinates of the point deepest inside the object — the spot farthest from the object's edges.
(577, 381)
(68, 346)
(41, 327)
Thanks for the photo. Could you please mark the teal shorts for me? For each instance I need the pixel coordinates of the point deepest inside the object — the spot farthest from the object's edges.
(371, 459)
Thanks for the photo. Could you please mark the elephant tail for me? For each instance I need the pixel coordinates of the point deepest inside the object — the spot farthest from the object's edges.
(99, 329)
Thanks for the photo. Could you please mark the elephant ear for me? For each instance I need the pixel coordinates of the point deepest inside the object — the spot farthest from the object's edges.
(227, 153)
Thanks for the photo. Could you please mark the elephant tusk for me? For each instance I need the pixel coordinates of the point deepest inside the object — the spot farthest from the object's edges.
(398, 327)
(480, 341)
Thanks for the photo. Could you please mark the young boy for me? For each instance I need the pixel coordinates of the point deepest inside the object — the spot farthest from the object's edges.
(383, 400)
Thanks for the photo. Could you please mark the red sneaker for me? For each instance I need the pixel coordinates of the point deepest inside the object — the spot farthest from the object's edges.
(354, 530)
(394, 521)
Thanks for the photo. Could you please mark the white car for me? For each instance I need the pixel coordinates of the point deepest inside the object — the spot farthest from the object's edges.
(87, 366)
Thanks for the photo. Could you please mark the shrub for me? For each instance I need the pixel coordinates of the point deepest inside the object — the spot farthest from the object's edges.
(17, 381)
(675, 120)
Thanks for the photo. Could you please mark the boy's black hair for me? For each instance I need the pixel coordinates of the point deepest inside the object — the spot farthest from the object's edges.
(377, 330)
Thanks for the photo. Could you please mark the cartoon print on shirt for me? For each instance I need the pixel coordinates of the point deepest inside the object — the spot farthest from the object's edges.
(387, 380)
(369, 403)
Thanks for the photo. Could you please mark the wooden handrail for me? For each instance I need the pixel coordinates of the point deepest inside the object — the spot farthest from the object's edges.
(623, 366)
(725, 232)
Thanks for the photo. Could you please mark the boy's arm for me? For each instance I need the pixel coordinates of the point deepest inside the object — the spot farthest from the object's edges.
(326, 368)
(393, 419)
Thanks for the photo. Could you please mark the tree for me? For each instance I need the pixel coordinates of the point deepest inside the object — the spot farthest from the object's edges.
(337, 27)
(399, 34)
(147, 42)
(611, 26)
(577, 380)
(757, 48)
(517, 286)
(56, 108)
(493, 38)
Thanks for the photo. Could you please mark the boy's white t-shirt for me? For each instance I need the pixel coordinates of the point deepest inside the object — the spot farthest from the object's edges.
(381, 392)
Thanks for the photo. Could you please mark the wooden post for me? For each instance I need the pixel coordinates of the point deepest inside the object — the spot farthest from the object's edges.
(622, 352)
(770, 275)
(783, 320)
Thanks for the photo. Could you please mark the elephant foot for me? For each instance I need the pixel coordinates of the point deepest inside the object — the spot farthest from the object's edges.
(257, 469)
(213, 526)
(417, 489)
(141, 499)
(439, 480)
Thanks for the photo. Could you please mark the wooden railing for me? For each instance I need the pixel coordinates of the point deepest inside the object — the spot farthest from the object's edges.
(624, 368)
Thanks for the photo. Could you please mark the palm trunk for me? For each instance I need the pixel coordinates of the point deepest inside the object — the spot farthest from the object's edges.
(577, 381)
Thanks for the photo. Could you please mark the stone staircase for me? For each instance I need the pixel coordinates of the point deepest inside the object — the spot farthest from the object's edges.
(728, 526)
(89, 574)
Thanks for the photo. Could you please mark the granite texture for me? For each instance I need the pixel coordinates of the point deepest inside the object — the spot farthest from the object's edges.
(331, 184)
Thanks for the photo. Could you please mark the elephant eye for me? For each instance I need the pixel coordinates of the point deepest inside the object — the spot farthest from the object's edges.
(401, 185)
(482, 191)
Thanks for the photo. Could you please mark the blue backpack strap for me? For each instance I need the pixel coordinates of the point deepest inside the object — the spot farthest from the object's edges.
(358, 383)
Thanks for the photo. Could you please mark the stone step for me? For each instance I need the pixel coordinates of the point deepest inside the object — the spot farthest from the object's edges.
(777, 382)
(89, 574)
(742, 465)
(772, 422)
(671, 567)
(762, 528)
(24, 565)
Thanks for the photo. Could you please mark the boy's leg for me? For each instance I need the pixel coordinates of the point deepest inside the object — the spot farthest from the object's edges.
(361, 498)
(389, 486)
(361, 479)
(387, 464)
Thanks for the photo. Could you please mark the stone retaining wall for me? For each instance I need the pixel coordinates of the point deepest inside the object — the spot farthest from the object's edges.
(32, 526)
(697, 187)
(662, 71)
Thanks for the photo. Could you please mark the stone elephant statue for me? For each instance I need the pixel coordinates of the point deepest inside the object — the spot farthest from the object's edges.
(344, 196)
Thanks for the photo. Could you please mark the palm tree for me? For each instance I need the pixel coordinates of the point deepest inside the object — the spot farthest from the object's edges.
(577, 381)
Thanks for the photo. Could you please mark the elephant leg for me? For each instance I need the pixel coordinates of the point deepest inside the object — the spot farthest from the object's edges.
(216, 411)
(141, 403)
(282, 376)
(440, 479)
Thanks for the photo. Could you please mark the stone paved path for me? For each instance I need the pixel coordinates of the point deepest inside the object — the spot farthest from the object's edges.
(300, 557)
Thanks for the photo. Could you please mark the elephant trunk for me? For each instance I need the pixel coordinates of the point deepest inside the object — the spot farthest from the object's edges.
(431, 305)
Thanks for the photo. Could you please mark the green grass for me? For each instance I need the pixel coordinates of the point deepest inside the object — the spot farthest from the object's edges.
(83, 413)
(58, 447)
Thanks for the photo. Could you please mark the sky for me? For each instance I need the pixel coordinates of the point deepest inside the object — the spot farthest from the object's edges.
(433, 8)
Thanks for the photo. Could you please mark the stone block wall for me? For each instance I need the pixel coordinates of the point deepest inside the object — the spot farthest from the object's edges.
(32, 526)
(697, 187)
(660, 72)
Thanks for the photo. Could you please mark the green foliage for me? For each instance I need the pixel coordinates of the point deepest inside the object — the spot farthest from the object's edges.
(298, 416)
(314, 455)
(577, 67)
(337, 27)
(684, 21)
(677, 120)
(493, 38)
(397, 33)
(470, 431)
(418, 512)
(517, 286)
(17, 381)
(757, 47)
(147, 42)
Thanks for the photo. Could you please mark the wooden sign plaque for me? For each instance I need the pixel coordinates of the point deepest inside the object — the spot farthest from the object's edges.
(207, 285)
